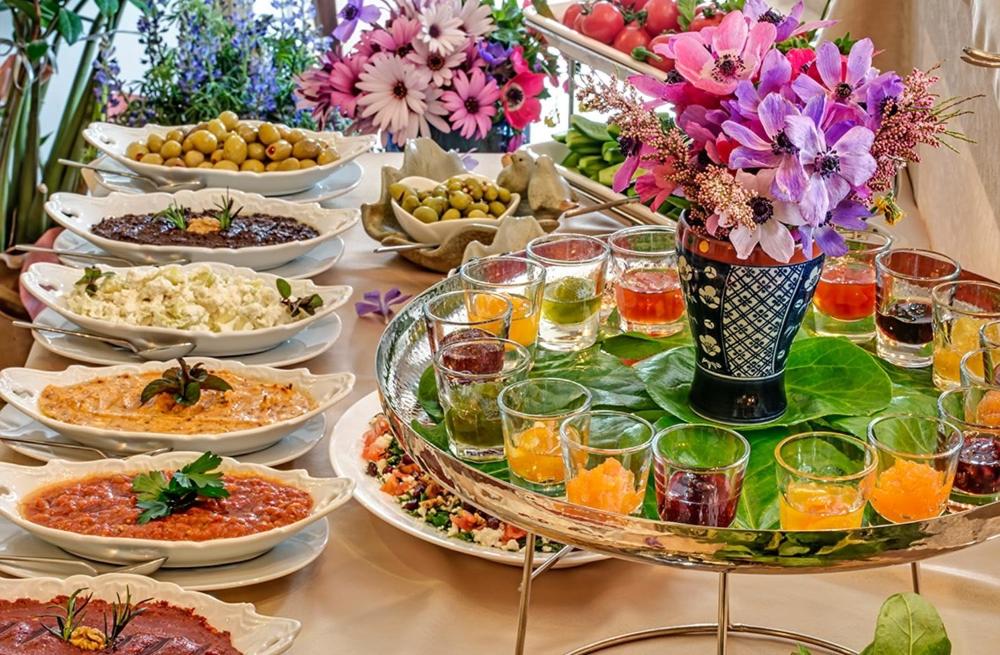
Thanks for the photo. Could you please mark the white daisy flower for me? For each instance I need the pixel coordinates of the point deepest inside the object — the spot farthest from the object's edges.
(441, 30)
(476, 17)
(438, 65)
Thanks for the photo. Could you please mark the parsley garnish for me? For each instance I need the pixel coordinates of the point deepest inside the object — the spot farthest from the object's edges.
(184, 383)
(295, 306)
(226, 214)
(159, 496)
(91, 275)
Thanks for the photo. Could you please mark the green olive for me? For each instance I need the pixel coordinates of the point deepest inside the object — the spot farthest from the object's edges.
(476, 213)
(217, 128)
(136, 150)
(476, 192)
(272, 166)
(247, 133)
(170, 149)
(437, 203)
(267, 133)
(479, 206)
(279, 150)
(284, 131)
(235, 149)
(440, 191)
(173, 135)
(252, 165)
(305, 148)
(425, 214)
(423, 195)
(154, 142)
(503, 195)
(327, 156)
(187, 144)
(204, 141)
(217, 156)
(294, 136)
(451, 214)
(192, 158)
(410, 203)
(497, 208)
(206, 164)
(152, 158)
(288, 164)
(229, 119)
(459, 200)
(397, 190)
(256, 151)
(454, 184)
(490, 193)
(226, 165)
(307, 163)
(175, 162)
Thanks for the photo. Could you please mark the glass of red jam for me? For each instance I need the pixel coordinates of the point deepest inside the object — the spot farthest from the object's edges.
(975, 410)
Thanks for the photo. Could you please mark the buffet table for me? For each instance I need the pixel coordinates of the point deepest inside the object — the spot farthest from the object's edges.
(377, 590)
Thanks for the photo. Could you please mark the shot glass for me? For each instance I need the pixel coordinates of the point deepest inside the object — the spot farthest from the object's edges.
(647, 287)
(989, 334)
(844, 302)
(575, 269)
(981, 366)
(531, 413)
(824, 480)
(520, 280)
(698, 471)
(903, 283)
(975, 410)
(606, 456)
(449, 318)
(961, 308)
(917, 459)
(470, 375)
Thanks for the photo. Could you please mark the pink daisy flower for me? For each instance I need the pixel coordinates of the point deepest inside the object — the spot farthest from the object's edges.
(715, 60)
(398, 38)
(395, 95)
(440, 66)
(472, 103)
(331, 86)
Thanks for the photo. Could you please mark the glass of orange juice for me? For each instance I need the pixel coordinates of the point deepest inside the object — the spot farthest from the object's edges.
(531, 412)
(824, 480)
(917, 460)
(607, 456)
(961, 308)
(520, 280)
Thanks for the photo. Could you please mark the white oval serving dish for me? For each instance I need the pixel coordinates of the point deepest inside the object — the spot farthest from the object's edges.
(19, 482)
(439, 231)
(79, 214)
(23, 387)
(251, 633)
(113, 140)
(50, 283)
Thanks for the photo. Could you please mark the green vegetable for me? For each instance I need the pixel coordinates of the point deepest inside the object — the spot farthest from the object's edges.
(184, 384)
(606, 176)
(307, 304)
(591, 129)
(572, 160)
(91, 276)
(560, 137)
(159, 497)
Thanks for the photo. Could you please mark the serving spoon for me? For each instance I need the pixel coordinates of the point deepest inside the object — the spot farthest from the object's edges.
(143, 348)
(80, 567)
(103, 454)
(109, 259)
(154, 181)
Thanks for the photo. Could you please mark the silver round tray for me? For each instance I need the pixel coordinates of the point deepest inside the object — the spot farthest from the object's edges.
(403, 355)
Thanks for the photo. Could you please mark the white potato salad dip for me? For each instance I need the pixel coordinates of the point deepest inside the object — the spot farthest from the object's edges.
(185, 298)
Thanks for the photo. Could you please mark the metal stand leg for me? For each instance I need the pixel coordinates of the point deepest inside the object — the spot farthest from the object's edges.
(522, 608)
(552, 561)
(723, 625)
(915, 576)
(571, 85)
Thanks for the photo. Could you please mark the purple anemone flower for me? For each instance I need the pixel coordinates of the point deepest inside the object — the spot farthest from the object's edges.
(354, 11)
(849, 214)
(494, 53)
(884, 87)
(845, 85)
(786, 26)
(776, 150)
(834, 163)
(775, 74)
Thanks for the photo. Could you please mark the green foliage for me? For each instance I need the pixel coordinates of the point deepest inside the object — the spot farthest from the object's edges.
(158, 497)
(296, 306)
(184, 384)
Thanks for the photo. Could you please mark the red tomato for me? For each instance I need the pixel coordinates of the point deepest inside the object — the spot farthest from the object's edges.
(661, 15)
(656, 59)
(706, 16)
(630, 38)
(632, 5)
(603, 23)
(572, 11)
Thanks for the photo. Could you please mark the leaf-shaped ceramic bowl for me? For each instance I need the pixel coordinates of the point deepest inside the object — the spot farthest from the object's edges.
(113, 140)
(439, 231)
(51, 283)
(23, 387)
(79, 214)
(251, 633)
(19, 482)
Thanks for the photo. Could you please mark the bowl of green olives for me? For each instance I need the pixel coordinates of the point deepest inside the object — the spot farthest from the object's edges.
(247, 155)
(431, 211)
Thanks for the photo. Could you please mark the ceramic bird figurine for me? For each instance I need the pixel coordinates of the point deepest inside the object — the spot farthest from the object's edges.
(549, 195)
(518, 169)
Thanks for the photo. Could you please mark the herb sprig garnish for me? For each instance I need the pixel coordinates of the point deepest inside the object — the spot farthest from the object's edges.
(184, 383)
(159, 497)
(295, 306)
(226, 214)
(122, 613)
(74, 609)
(174, 214)
(69, 627)
(91, 276)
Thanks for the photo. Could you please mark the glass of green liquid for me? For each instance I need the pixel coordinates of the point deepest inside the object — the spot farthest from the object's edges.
(470, 375)
(575, 270)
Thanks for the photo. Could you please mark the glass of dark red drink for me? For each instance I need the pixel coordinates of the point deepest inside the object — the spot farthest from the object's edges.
(844, 302)
(904, 279)
(975, 410)
(698, 471)
(647, 287)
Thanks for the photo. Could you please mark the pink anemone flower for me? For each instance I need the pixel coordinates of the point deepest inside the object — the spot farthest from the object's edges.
(472, 103)
(716, 60)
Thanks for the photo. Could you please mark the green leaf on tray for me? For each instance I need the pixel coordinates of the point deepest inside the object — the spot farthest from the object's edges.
(427, 395)
(909, 625)
(824, 377)
(612, 384)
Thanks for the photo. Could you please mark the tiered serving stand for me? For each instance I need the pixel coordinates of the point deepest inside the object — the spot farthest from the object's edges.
(402, 357)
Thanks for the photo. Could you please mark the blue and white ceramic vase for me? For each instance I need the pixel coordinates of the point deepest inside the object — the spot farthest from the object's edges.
(744, 314)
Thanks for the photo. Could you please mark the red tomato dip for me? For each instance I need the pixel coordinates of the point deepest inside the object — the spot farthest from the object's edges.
(106, 506)
(161, 630)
